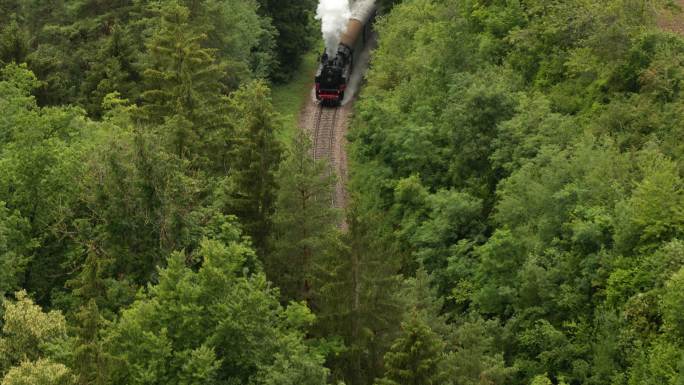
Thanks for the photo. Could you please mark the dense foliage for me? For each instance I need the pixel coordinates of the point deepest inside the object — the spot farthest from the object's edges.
(139, 154)
(294, 33)
(527, 154)
(516, 182)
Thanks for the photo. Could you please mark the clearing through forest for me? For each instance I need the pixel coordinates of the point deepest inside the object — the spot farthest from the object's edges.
(327, 126)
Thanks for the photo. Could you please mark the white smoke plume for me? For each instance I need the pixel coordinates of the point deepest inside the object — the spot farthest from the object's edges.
(362, 10)
(334, 16)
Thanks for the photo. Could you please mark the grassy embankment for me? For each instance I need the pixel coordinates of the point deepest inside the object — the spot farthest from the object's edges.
(289, 98)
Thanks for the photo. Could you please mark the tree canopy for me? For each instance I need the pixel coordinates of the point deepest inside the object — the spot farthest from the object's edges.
(516, 211)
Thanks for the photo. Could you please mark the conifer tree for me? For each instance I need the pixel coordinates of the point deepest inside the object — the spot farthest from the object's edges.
(421, 297)
(104, 11)
(15, 247)
(256, 156)
(90, 364)
(181, 81)
(113, 70)
(358, 300)
(305, 224)
(14, 43)
(180, 74)
(9, 9)
(416, 357)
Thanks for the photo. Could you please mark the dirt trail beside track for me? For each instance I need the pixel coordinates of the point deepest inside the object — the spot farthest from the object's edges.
(673, 21)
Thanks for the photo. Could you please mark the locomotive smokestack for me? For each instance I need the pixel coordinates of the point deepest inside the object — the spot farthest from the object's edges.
(334, 15)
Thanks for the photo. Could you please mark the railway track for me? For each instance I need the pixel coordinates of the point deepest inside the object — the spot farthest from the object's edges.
(324, 139)
(324, 133)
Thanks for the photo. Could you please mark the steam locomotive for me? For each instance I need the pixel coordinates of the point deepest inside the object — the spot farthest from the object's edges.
(334, 72)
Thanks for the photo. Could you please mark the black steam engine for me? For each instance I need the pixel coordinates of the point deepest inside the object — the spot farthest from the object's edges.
(334, 73)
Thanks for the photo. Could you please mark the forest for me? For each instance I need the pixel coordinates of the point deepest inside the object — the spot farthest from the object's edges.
(516, 211)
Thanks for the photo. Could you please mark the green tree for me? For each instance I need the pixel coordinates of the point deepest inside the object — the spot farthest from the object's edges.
(672, 304)
(41, 153)
(452, 217)
(293, 21)
(541, 380)
(90, 287)
(134, 192)
(305, 225)
(416, 356)
(14, 43)
(181, 87)
(360, 301)
(653, 213)
(180, 75)
(219, 323)
(41, 372)
(90, 363)
(477, 353)
(660, 364)
(256, 155)
(243, 38)
(114, 69)
(15, 249)
(28, 332)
